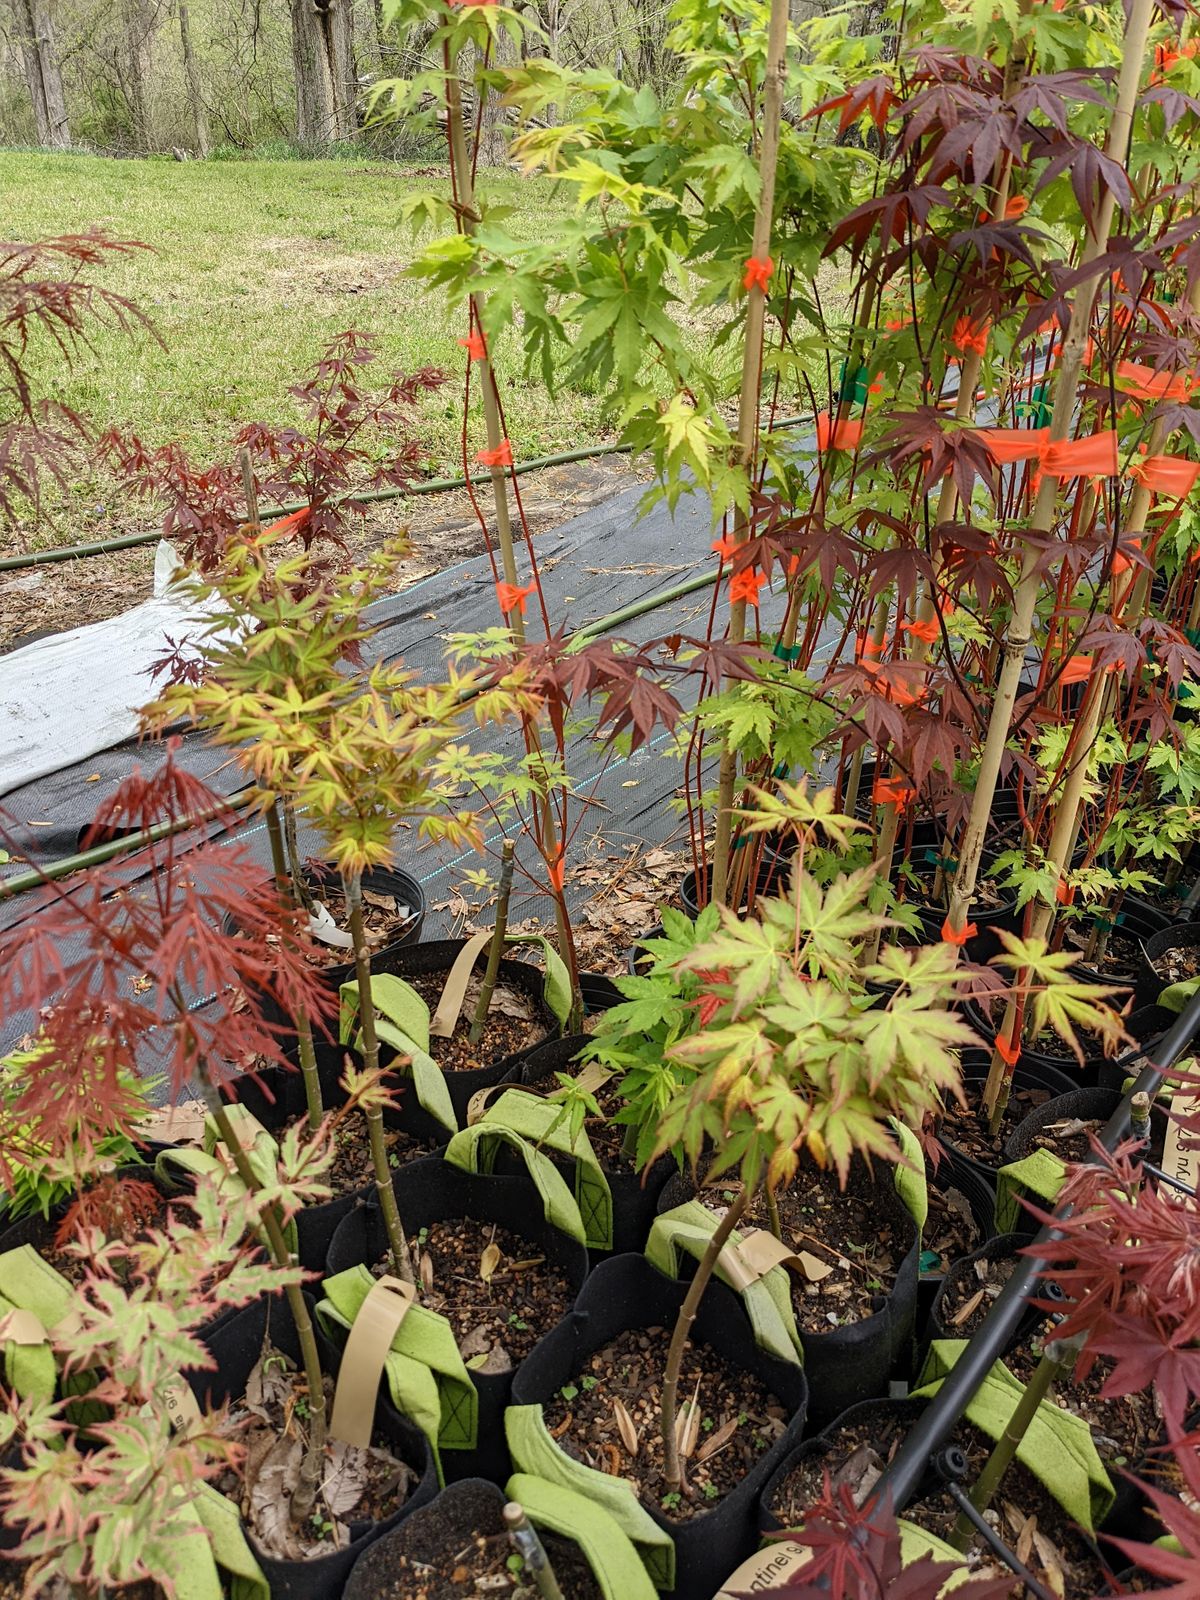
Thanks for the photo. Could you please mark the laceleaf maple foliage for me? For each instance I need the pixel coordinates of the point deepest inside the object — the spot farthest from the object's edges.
(135, 953)
(855, 1554)
(1128, 1262)
(355, 440)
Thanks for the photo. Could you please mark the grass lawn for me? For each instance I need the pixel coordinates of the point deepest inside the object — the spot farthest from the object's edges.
(253, 266)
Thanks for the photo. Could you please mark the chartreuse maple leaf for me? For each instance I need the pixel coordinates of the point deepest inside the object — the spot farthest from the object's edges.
(1055, 997)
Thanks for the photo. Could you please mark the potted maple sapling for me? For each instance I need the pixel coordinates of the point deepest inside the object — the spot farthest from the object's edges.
(359, 748)
(789, 1071)
(138, 957)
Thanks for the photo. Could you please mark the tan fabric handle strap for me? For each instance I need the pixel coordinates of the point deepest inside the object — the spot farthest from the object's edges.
(380, 1315)
(482, 1098)
(758, 1252)
(445, 1019)
(594, 1076)
(22, 1327)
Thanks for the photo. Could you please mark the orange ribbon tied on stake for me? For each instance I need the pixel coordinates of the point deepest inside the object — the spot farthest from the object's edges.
(1064, 894)
(958, 936)
(927, 632)
(845, 434)
(1146, 384)
(558, 869)
(968, 335)
(501, 456)
(725, 547)
(1008, 1051)
(745, 585)
(1093, 457)
(1121, 563)
(892, 792)
(758, 273)
(1172, 475)
(1007, 446)
(512, 598)
(474, 345)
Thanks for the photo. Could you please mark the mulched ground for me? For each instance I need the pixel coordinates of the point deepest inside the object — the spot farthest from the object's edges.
(1121, 958)
(512, 1024)
(1027, 1517)
(1123, 1428)
(485, 1565)
(608, 1415)
(495, 1288)
(352, 1166)
(862, 1232)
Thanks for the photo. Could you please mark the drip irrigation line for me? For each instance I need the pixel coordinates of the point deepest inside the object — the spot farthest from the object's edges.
(998, 1547)
(904, 1474)
(130, 541)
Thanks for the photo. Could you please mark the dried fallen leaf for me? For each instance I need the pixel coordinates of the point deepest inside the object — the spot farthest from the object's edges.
(717, 1441)
(1051, 1561)
(1025, 1540)
(269, 1384)
(626, 1427)
(269, 1499)
(489, 1261)
(967, 1308)
(425, 1271)
(687, 1425)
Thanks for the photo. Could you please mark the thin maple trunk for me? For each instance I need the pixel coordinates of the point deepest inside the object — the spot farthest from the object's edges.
(554, 843)
(401, 1260)
(672, 1471)
(1042, 521)
(748, 404)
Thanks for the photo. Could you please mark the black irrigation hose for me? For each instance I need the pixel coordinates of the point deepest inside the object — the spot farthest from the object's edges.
(908, 1467)
(130, 541)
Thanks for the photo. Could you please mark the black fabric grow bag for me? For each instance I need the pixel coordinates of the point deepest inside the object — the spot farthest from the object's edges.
(634, 1198)
(1028, 1075)
(906, 1411)
(1152, 982)
(1002, 1247)
(1147, 1025)
(235, 1346)
(39, 1231)
(627, 1292)
(438, 956)
(1082, 1103)
(444, 1525)
(852, 1363)
(429, 1191)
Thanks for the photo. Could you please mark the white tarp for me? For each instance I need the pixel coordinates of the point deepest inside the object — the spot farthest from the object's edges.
(66, 697)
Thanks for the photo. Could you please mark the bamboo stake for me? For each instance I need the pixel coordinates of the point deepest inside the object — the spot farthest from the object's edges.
(748, 404)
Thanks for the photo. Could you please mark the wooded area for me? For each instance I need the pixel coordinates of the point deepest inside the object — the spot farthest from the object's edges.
(136, 77)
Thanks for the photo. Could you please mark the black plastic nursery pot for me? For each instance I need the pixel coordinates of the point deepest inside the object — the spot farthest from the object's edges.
(438, 956)
(467, 1511)
(627, 1293)
(429, 1191)
(394, 881)
(1153, 975)
(872, 1413)
(634, 1195)
(1092, 1104)
(235, 1346)
(771, 879)
(1054, 1066)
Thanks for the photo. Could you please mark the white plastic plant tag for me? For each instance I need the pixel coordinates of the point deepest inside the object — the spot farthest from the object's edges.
(322, 926)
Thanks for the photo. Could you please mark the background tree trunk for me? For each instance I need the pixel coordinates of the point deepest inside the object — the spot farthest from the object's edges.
(494, 130)
(35, 33)
(192, 74)
(323, 61)
(139, 31)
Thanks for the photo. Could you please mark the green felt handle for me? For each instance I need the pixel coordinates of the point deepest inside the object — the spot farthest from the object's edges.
(556, 987)
(401, 1021)
(615, 1563)
(535, 1452)
(193, 1559)
(425, 1373)
(32, 1284)
(1057, 1448)
(768, 1302)
(263, 1155)
(474, 1150)
(543, 1124)
(1041, 1174)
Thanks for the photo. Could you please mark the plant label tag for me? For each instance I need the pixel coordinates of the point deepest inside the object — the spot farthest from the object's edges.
(1181, 1150)
(322, 926)
(769, 1569)
(183, 1124)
